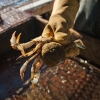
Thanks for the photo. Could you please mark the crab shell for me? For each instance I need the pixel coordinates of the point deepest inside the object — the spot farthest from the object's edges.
(52, 53)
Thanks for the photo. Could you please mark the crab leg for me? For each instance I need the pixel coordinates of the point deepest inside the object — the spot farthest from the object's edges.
(30, 43)
(35, 70)
(39, 64)
(24, 66)
(32, 75)
(15, 43)
(38, 40)
(38, 46)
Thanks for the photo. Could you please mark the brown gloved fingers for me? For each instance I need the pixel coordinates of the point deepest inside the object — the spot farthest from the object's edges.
(52, 53)
(62, 38)
(47, 32)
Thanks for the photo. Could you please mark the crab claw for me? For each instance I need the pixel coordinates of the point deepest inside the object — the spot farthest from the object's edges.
(18, 38)
(13, 41)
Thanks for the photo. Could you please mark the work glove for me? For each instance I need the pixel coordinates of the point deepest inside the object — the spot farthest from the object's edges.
(60, 28)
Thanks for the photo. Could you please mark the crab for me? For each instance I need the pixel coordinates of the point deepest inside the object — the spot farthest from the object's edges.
(55, 44)
(47, 51)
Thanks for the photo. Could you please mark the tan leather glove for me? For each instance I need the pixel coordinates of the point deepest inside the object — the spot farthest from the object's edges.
(61, 20)
(59, 27)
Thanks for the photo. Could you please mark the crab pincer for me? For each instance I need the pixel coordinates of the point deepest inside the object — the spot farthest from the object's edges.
(15, 43)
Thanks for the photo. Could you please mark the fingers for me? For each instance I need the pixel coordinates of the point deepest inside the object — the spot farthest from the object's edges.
(62, 38)
(47, 32)
(38, 46)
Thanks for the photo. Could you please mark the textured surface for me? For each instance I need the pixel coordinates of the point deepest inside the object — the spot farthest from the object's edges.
(69, 81)
(12, 17)
(14, 3)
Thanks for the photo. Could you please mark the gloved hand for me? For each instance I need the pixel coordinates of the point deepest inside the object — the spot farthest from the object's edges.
(59, 27)
(61, 20)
